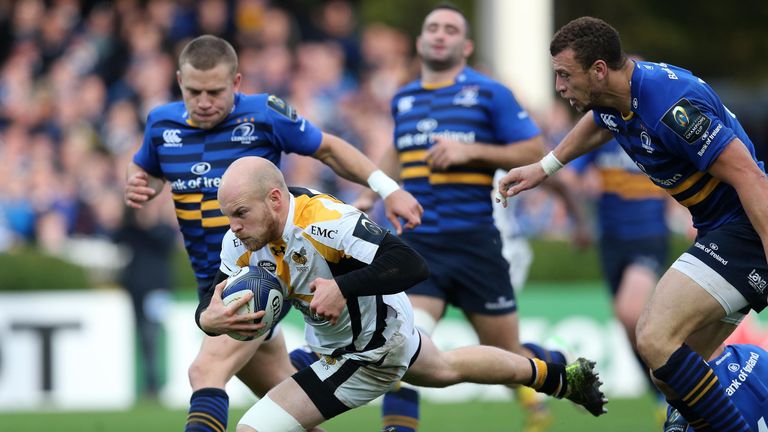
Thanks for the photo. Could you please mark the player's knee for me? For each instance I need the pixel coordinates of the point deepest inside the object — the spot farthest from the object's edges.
(649, 340)
(204, 373)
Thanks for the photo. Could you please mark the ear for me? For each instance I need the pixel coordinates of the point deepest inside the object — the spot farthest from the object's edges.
(237, 81)
(178, 77)
(275, 198)
(599, 69)
(469, 48)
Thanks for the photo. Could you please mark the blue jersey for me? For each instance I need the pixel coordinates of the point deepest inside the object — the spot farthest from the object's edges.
(743, 371)
(676, 129)
(473, 108)
(630, 205)
(193, 161)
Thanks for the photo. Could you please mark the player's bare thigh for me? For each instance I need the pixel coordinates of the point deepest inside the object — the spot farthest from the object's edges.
(498, 330)
(219, 359)
(678, 308)
(268, 366)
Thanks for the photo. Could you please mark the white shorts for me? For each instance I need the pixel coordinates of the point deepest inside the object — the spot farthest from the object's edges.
(337, 384)
(717, 286)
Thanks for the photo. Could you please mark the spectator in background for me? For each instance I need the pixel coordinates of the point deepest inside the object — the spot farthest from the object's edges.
(150, 234)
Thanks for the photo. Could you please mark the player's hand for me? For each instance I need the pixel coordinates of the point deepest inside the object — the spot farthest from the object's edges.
(518, 180)
(446, 152)
(137, 190)
(328, 302)
(401, 203)
(220, 319)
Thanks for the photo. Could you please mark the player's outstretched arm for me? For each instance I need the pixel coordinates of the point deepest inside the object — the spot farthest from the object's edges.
(140, 186)
(351, 164)
(585, 136)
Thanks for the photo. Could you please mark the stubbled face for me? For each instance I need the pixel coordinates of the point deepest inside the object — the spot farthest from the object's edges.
(208, 94)
(443, 41)
(574, 83)
(253, 221)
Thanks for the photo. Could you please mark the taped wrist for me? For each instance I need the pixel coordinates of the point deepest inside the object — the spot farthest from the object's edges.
(382, 184)
(550, 164)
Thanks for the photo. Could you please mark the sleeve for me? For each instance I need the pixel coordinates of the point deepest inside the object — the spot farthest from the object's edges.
(146, 156)
(511, 122)
(395, 268)
(691, 128)
(229, 255)
(205, 300)
(292, 132)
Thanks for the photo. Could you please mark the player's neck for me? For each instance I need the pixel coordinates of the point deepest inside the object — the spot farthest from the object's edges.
(619, 92)
(433, 78)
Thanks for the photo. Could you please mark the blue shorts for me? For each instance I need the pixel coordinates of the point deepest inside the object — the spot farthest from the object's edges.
(616, 254)
(467, 270)
(735, 252)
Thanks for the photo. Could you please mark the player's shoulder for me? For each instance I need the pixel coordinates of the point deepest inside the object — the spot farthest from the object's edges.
(658, 86)
(169, 112)
(250, 102)
(469, 75)
(313, 207)
(409, 88)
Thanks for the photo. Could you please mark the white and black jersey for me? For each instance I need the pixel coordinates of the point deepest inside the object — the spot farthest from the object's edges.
(325, 238)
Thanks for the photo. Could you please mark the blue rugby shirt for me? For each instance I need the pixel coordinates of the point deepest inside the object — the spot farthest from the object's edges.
(676, 129)
(193, 160)
(472, 108)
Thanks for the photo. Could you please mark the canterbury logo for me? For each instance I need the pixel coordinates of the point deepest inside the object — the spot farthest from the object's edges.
(171, 137)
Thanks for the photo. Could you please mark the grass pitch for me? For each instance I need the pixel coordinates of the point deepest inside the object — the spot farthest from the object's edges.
(626, 415)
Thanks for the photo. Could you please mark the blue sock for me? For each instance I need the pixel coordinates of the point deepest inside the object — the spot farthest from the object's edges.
(208, 411)
(541, 353)
(302, 357)
(400, 410)
(703, 401)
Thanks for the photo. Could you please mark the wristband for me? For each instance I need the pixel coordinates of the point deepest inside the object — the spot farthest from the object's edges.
(382, 184)
(550, 164)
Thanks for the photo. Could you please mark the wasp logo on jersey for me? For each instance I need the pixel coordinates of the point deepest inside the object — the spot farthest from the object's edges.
(299, 257)
(686, 121)
(277, 250)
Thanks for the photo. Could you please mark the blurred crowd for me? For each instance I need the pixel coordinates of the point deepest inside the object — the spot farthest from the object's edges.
(78, 77)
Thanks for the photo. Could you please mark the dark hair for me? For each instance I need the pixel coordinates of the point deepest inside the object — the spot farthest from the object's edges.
(208, 51)
(591, 39)
(452, 7)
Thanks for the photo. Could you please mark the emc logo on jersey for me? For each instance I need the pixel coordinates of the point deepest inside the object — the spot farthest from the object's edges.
(244, 133)
(171, 138)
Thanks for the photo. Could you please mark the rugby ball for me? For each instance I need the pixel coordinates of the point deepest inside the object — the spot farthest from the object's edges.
(267, 296)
